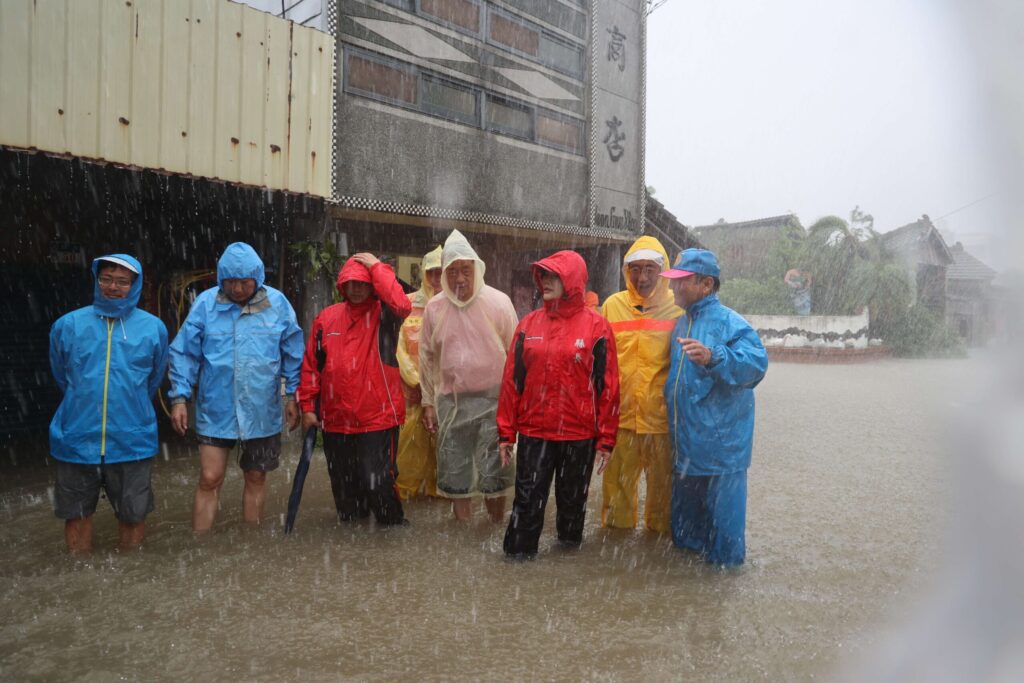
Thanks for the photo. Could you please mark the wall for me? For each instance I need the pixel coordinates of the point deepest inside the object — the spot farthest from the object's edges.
(208, 88)
(824, 331)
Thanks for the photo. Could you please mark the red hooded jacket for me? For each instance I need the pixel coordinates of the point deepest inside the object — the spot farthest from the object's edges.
(360, 388)
(561, 379)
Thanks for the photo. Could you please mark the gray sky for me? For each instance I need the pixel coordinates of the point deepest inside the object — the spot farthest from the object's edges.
(757, 108)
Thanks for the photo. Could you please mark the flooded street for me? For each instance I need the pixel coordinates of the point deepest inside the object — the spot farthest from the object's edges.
(847, 503)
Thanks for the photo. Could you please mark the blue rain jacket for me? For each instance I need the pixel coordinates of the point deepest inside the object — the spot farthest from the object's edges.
(108, 360)
(711, 408)
(237, 354)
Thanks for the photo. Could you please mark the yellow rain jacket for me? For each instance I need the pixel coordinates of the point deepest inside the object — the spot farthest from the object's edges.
(417, 448)
(643, 332)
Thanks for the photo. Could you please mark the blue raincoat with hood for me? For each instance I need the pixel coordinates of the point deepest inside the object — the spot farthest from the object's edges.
(108, 360)
(237, 354)
(711, 408)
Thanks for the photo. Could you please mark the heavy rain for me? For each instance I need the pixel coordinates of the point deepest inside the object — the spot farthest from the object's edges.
(408, 257)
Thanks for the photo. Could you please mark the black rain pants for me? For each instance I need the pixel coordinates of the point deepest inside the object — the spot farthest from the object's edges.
(363, 473)
(570, 463)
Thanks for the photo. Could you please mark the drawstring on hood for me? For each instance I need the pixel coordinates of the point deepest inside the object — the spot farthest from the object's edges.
(117, 308)
(572, 271)
(457, 248)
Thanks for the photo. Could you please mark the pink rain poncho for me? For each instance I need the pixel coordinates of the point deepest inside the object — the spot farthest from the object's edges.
(463, 345)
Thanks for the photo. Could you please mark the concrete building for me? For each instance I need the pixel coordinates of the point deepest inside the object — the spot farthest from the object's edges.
(518, 122)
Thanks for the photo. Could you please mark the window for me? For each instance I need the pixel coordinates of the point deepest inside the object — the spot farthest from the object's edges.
(407, 5)
(380, 80)
(513, 34)
(528, 39)
(559, 132)
(461, 14)
(561, 55)
(449, 99)
(508, 117)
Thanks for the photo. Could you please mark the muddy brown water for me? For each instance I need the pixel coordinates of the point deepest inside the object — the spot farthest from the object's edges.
(845, 516)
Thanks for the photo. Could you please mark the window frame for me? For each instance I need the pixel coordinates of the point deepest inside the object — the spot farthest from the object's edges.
(480, 4)
(385, 61)
(442, 112)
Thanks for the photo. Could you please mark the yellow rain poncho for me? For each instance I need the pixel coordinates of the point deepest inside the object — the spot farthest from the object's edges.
(463, 345)
(417, 448)
(643, 330)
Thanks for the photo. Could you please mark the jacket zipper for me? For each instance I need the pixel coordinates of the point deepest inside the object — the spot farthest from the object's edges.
(106, 386)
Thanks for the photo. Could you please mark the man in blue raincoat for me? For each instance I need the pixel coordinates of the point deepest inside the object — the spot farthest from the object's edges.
(239, 340)
(108, 360)
(716, 361)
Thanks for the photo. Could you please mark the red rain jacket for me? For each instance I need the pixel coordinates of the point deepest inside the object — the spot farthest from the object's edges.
(360, 387)
(561, 379)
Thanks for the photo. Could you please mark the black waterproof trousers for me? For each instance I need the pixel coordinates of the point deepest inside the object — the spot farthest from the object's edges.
(362, 470)
(537, 461)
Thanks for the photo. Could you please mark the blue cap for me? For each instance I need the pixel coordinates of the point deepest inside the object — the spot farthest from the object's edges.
(690, 261)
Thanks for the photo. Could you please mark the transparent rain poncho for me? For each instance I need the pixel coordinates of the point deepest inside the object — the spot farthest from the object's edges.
(463, 345)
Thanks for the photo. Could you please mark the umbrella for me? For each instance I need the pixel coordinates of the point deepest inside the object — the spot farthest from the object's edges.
(307, 449)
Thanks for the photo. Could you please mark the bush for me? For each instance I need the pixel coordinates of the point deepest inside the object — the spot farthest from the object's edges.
(920, 333)
(751, 297)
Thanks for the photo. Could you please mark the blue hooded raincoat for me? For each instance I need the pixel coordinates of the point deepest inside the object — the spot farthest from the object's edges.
(108, 360)
(711, 408)
(237, 354)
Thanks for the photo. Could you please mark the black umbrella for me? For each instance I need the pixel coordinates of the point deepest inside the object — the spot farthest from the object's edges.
(307, 449)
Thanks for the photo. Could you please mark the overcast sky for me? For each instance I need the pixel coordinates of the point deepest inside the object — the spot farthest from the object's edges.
(763, 107)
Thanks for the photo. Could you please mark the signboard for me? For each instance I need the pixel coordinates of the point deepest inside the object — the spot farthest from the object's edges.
(616, 115)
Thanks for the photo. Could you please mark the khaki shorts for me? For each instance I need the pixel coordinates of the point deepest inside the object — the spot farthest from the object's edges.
(468, 462)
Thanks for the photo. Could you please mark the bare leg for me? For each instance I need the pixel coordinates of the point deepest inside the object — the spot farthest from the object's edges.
(213, 462)
(129, 536)
(496, 508)
(78, 535)
(463, 508)
(253, 495)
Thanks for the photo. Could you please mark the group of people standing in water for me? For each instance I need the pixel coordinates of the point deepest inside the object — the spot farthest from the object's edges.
(439, 392)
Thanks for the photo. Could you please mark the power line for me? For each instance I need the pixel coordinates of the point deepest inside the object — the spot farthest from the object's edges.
(653, 5)
(961, 208)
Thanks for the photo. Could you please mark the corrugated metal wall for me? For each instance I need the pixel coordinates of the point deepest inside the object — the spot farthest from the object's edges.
(205, 87)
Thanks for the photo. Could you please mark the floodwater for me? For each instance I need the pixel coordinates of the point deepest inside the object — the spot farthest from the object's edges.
(848, 496)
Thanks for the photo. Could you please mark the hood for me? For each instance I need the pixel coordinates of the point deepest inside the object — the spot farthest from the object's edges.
(661, 295)
(457, 248)
(239, 262)
(116, 308)
(431, 260)
(352, 270)
(572, 269)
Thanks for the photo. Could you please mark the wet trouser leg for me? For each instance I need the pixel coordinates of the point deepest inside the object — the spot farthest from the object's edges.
(572, 483)
(570, 464)
(342, 457)
(619, 482)
(377, 474)
(417, 461)
(709, 516)
(658, 465)
(535, 467)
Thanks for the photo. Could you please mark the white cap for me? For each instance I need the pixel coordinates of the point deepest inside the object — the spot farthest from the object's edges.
(120, 262)
(645, 255)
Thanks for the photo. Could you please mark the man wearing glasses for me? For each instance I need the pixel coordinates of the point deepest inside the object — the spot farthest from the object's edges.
(642, 318)
(108, 360)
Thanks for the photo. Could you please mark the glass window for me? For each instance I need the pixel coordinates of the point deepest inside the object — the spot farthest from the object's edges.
(449, 99)
(407, 5)
(561, 55)
(559, 132)
(508, 117)
(381, 80)
(462, 14)
(513, 34)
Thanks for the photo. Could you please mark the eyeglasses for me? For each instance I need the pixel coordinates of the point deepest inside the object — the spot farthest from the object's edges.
(645, 270)
(119, 282)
